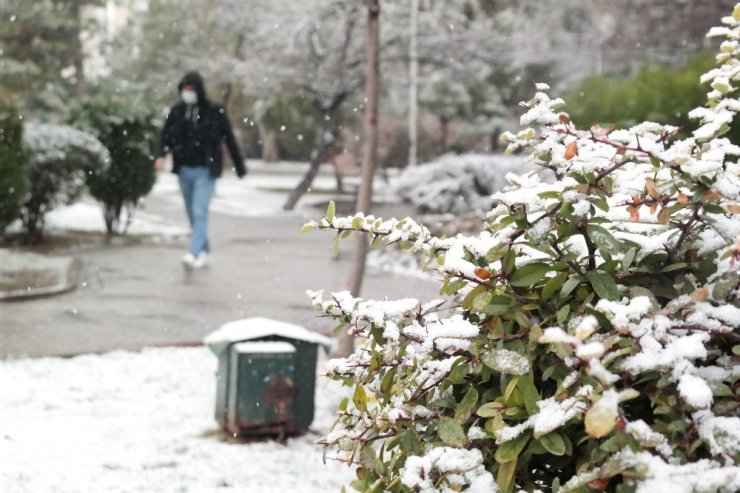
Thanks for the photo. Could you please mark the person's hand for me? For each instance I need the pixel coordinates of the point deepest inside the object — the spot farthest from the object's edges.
(159, 164)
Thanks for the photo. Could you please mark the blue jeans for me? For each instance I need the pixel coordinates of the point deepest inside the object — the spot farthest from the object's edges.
(197, 185)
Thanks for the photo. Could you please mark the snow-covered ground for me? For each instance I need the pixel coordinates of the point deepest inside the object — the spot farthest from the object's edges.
(261, 194)
(143, 422)
(86, 215)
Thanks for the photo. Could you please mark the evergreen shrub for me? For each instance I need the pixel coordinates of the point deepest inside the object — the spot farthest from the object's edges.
(587, 339)
(130, 133)
(456, 184)
(13, 182)
(58, 159)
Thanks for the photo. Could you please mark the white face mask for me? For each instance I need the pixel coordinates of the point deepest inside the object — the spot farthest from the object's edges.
(189, 97)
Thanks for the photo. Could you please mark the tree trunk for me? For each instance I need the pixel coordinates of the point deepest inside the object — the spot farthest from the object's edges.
(326, 140)
(269, 145)
(313, 170)
(444, 124)
(369, 155)
(413, 85)
(78, 59)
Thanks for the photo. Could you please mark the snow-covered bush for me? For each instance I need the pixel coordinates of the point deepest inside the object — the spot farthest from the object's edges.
(12, 174)
(58, 159)
(130, 133)
(589, 339)
(457, 183)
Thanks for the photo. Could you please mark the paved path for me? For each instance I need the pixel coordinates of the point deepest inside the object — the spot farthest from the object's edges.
(137, 295)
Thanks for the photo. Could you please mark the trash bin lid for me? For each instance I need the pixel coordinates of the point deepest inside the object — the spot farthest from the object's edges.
(258, 327)
(252, 347)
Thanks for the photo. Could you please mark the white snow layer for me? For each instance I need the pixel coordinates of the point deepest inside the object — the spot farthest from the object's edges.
(256, 327)
(88, 216)
(143, 422)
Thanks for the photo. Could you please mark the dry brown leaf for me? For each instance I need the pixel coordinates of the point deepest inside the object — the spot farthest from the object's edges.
(482, 273)
(664, 216)
(634, 208)
(734, 208)
(700, 294)
(710, 196)
(571, 150)
(564, 118)
(598, 484)
(682, 198)
(634, 212)
(653, 207)
(600, 132)
(651, 190)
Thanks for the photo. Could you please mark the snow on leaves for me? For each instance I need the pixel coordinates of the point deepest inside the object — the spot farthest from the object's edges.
(591, 306)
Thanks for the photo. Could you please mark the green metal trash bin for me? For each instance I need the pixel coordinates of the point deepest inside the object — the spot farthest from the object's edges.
(266, 376)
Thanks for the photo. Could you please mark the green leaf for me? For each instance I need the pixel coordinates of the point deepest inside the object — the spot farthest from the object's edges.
(490, 409)
(510, 388)
(527, 275)
(601, 203)
(725, 285)
(508, 451)
(569, 286)
(451, 433)
(508, 262)
(466, 406)
(549, 195)
(335, 246)
(529, 393)
(522, 319)
(506, 362)
(713, 208)
(603, 285)
(367, 456)
(552, 285)
(331, 211)
(628, 258)
(505, 476)
(387, 383)
(343, 404)
(469, 299)
(360, 398)
(603, 239)
(307, 228)
(409, 442)
(498, 305)
(458, 372)
(676, 266)
(495, 423)
(554, 443)
(563, 314)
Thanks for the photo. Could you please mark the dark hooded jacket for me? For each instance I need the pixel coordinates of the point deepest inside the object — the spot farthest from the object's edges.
(193, 134)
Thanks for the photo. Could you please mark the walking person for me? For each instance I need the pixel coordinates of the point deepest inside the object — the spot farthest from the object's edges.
(193, 133)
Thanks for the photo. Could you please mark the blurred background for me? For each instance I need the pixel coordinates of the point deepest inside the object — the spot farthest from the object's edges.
(278, 65)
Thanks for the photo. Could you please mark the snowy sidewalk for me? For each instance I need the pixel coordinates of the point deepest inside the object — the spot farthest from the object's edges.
(133, 292)
(143, 422)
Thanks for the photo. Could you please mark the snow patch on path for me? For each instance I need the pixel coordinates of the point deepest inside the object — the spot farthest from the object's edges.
(132, 422)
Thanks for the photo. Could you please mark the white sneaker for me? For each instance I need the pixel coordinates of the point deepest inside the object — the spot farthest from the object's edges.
(188, 261)
(201, 261)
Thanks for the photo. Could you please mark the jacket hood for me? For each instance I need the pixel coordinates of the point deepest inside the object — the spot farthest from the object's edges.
(194, 79)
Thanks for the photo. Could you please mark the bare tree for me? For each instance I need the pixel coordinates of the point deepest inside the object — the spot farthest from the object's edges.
(413, 82)
(329, 73)
(369, 154)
